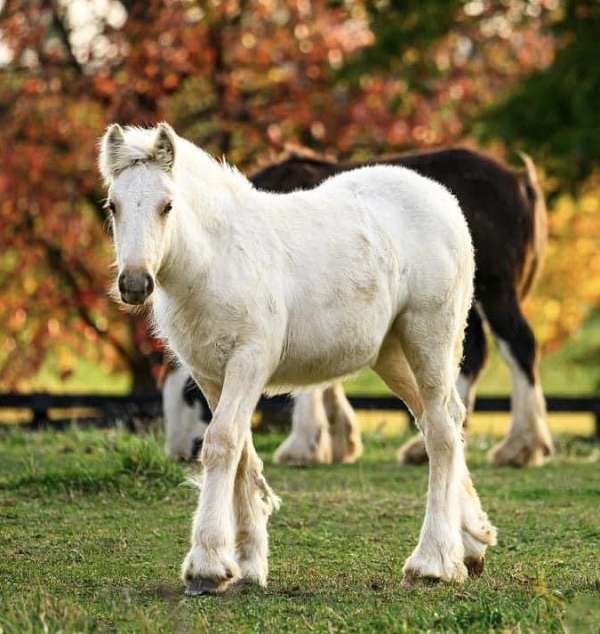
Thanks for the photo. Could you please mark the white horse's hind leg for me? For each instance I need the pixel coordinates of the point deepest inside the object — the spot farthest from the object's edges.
(394, 369)
(451, 500)
(476, 530)
(254, 501)
(309, 441)
(346, 443)
(413, 451)
(440, 552)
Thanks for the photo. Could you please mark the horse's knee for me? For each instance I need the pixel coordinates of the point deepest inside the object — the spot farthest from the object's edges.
(440, 431)
(220, 445)
(457, 409)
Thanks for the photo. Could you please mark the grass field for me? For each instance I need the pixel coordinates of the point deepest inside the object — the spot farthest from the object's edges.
(93, 526)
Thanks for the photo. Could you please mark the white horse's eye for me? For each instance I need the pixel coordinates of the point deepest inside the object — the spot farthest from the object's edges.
(166, 209)
(111, 207)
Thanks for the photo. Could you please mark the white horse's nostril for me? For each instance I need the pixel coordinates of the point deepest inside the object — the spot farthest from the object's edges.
(122, 283)
(149, 283)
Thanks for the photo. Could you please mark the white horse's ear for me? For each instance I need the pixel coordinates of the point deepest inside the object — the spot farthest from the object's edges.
(164, 147)
(110, 152)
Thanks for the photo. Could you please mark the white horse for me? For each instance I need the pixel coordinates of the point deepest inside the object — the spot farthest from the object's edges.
(259, 292)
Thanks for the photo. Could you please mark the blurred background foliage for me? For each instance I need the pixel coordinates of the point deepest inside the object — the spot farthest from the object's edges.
(247, 79)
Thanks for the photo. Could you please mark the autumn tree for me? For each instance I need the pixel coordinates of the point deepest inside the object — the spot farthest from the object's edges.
(237, 77)
(241, 78)
(552, 113)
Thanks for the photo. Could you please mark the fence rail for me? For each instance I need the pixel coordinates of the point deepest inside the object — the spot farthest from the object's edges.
(125, 408)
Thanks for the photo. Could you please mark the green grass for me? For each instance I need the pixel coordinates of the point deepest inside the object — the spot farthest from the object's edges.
(93, 527)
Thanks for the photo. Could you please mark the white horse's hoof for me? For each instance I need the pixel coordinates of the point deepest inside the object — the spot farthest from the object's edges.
(346, 450)
(474, 566)
(434, 567)
(475, 550)
(477, 531)
(254, 570)
(296, 453)
(208, 572)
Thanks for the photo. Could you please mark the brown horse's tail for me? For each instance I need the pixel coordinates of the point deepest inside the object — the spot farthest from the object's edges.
(537, 206)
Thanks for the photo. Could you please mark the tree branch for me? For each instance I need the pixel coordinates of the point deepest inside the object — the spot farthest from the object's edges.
(63, 34)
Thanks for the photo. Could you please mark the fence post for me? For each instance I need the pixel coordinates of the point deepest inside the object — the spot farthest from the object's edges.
(39, 409)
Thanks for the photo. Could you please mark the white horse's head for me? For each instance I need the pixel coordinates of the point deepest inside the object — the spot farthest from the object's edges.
(137, 166)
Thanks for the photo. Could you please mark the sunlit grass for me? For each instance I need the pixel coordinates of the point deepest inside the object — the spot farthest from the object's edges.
(94, 525)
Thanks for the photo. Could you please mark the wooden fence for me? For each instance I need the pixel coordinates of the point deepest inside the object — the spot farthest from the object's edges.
(107, 410)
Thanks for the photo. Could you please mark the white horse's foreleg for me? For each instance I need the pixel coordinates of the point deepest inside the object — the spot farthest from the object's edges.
(254, 501)
(210, 565)
(346, 443)
(309, 441)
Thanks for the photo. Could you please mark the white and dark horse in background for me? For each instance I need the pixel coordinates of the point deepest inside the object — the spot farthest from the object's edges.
(186, 414)
(256, 292)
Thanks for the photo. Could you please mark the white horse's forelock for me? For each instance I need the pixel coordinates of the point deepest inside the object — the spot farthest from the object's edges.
(137, 146)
